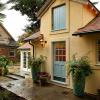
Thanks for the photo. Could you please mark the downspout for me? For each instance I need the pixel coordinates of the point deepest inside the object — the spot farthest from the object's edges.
(32, 46)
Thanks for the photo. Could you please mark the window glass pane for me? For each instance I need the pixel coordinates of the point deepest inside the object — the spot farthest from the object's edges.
(64, 52)
(57, 52)
(62, 19)
(55, 19)
(59, 18)
(64, 58)
(98, 42)
(12, 52)
(98, 51)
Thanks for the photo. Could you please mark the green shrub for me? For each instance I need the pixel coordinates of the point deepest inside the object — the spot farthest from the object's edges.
(80, 67)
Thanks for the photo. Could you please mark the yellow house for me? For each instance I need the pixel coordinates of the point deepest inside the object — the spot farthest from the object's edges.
(58, 39)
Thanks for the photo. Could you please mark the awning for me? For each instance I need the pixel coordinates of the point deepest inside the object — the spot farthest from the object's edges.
(91, 28)
(35, 37)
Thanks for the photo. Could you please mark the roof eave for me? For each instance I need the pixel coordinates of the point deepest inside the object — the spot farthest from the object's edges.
(44, 8)
(85, 33)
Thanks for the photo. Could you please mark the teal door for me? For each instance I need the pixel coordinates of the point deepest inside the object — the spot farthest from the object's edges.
(59, 59)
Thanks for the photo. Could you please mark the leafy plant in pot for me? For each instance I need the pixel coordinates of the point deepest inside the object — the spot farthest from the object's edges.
(79, 68)
(36, 64)
(4, 62)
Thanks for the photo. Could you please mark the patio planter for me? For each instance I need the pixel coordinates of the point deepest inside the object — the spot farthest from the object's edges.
(80, 68)
(36, 64)
(34, 71)
(79, 87)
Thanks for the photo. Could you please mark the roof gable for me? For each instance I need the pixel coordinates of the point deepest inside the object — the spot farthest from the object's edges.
(91, 27)
(25, 46)
(6, 32)
(48, 3)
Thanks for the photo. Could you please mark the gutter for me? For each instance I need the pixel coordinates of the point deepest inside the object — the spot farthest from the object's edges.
(32, 46)
(86, 33)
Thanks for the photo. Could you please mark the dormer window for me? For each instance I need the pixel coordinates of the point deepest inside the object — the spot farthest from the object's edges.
(59, 18)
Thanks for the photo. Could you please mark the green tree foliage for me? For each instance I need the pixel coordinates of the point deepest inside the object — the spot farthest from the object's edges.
(21, 38)
(29, 8)
(95, 2)
(2, 7)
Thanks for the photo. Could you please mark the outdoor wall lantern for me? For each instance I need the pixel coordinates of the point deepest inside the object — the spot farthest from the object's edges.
(43, 42)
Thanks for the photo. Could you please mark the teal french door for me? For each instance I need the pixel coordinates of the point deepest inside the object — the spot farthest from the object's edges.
(59, 59)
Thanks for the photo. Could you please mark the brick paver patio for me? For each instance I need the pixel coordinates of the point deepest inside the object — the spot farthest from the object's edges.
(26, 89)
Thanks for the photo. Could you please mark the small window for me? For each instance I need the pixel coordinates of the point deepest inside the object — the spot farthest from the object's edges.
(98, 51)
(12, 53)
(59, 17)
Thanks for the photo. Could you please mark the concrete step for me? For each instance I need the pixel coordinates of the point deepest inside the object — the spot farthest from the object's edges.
(18, 75)
(15, 77)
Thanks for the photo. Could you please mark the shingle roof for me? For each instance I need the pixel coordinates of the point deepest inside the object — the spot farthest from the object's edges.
(93, 26)
(34, 36)
(25, 46)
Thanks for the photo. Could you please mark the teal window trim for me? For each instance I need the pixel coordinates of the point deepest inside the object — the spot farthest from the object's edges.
(60, 20)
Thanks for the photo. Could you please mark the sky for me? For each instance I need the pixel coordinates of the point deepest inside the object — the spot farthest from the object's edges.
(15, 22)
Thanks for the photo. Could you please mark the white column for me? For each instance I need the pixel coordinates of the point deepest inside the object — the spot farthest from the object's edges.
(21, 60)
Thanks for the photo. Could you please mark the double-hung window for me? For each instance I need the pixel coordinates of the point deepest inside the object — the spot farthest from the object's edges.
(98, 51)
(12, 53)
(59, 17)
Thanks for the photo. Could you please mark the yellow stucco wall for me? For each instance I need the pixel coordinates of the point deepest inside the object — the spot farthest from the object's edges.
(86, 45)
(77, 15)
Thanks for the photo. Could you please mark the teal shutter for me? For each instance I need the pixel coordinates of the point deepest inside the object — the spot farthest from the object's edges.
(59, 18)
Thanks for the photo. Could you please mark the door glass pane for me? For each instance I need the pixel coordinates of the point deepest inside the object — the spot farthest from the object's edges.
(59, 61)
(24, 60)
(60, 51)
(29, 55)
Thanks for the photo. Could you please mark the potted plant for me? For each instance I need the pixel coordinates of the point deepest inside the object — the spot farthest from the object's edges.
(80, 68)
(35, 64)
(4, 62)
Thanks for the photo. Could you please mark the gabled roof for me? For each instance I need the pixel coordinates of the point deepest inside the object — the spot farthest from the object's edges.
(91, 27)
(7, 32)
(48, 3)
(26, 46)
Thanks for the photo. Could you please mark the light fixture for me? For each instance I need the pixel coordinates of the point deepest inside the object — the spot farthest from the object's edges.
(43, 42)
